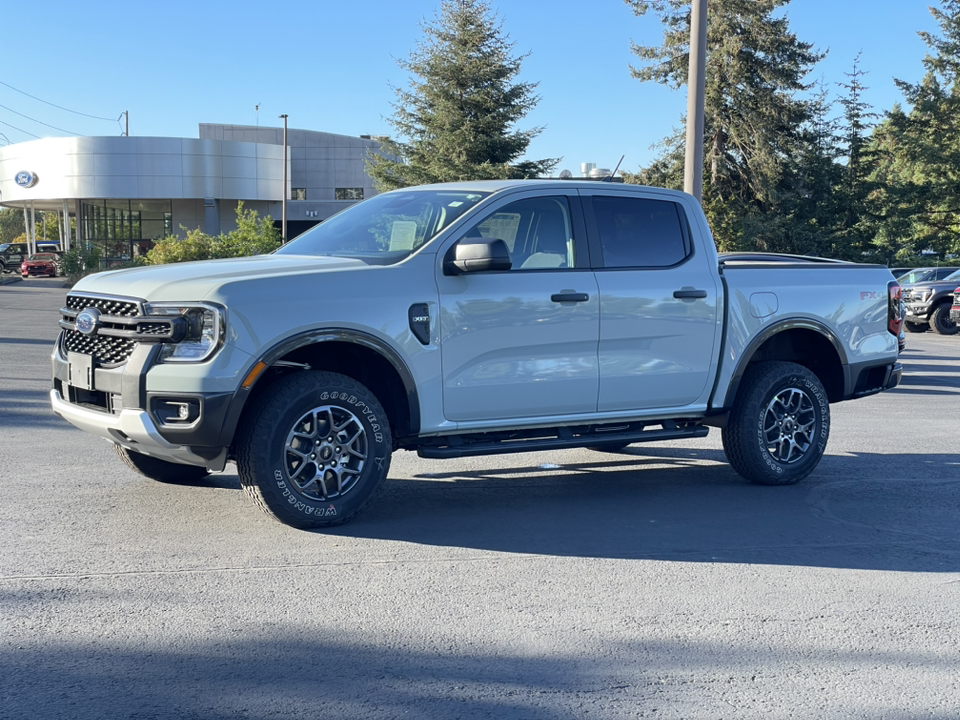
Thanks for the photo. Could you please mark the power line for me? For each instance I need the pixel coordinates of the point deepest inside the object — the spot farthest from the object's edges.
(75, 112)
(23, 131)
(69, 132)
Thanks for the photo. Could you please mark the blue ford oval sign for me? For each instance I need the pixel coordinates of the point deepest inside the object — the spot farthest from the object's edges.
(26, 179)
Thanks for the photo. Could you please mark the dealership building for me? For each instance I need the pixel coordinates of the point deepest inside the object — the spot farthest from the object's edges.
(127, 192)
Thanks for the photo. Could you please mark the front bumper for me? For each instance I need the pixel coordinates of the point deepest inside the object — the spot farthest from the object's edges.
(48, 271)
(115, 404)
(134, 429)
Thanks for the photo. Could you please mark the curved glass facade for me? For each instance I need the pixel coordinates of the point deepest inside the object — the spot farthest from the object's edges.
(121, 230)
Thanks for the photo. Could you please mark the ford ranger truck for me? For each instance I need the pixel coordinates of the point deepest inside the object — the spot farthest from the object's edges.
(465, 319)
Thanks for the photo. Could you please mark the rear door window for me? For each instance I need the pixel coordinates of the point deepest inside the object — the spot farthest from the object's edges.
(640, 232)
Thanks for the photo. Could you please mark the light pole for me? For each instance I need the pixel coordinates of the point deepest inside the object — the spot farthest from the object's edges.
(283, 232)
(696, 89)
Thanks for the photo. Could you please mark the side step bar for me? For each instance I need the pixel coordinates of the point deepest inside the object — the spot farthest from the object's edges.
(458, 446)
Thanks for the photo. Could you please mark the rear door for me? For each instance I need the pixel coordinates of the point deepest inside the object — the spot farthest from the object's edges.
(522, 343)
(659, 311)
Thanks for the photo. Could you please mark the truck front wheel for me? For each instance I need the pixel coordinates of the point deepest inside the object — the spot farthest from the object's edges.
(940, 321)
(315, 449)
(779, 425)
(161, 470)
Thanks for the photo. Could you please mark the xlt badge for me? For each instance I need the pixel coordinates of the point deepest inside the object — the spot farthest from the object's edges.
(419, 315)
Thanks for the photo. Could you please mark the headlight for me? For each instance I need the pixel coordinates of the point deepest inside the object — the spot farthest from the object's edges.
(205, 325)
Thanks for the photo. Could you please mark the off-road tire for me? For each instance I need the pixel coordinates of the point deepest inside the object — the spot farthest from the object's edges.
(779, 425)
(161, 470)
(915, 327)
(940, 321)
(315, 449)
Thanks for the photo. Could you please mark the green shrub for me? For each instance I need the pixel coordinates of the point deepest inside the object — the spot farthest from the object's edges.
(196, 246)
(80, 261)
(254, 236)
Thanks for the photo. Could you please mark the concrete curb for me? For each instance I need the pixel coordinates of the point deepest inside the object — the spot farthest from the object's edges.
(10, 279)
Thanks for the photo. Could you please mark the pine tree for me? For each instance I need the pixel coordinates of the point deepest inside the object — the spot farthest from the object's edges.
(817, 206)
(456, 119)
(924, 146)
(753, 118)
(855, 228)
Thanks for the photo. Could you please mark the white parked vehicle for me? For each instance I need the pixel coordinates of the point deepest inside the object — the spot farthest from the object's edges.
(466, 319)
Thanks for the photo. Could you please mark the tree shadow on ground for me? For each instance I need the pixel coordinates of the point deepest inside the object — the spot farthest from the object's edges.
(268, 667)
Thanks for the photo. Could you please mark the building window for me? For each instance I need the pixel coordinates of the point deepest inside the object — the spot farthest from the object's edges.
(349, 193)
(298, 194)
(120, 229)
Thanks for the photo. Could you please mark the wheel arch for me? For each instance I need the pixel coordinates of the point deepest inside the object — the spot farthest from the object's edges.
(355, 354)
(803, 341)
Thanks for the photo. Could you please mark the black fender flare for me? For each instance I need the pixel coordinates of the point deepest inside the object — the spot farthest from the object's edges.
(313, 337)
(769, 332)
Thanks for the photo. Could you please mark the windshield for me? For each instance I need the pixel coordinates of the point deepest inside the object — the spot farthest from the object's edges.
(953, 277)
(386, 228)
(915, 276)
(43, 256)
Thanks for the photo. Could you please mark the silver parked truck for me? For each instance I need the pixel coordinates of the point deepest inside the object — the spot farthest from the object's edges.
(471, 318)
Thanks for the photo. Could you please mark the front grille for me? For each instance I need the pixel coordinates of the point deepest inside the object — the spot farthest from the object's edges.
(108, 306)
(153, 328)
(106, 351)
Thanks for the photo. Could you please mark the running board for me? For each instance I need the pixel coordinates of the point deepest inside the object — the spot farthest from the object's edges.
(468, 446)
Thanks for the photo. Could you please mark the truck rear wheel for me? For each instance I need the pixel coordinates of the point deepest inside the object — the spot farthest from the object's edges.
(778, 428)
(160, 470)
(940, 321)
(315, 450)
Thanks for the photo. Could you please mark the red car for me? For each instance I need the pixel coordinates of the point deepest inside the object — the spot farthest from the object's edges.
(41, 264)
(955, 309)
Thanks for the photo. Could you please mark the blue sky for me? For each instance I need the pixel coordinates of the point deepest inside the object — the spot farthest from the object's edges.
(331, 65)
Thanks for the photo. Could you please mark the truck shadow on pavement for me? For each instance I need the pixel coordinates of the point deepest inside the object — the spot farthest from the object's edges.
(687, 505)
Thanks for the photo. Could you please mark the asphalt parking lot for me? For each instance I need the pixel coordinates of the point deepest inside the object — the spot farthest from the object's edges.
(654, 583)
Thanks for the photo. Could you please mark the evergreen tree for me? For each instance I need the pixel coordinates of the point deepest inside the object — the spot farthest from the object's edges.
(855, 229)
(457, 116)
(754, 120)
(924, 146)
(816, 206)
(893, 201)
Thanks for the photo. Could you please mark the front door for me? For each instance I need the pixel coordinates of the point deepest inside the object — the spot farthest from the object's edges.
(522, 343)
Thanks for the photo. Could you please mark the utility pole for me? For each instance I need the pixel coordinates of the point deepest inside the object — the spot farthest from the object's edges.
(696, 89)
(283, 232)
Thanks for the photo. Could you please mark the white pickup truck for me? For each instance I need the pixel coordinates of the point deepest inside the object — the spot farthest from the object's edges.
(467, 319)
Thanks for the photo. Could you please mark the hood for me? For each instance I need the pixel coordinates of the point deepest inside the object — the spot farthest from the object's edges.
(935, 284)
(191, 281)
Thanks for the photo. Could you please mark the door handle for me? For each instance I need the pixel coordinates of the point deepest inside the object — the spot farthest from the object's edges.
(569, 297)
(689, 294)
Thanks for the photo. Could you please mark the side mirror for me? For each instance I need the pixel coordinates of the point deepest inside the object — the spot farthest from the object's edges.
(477, 255)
